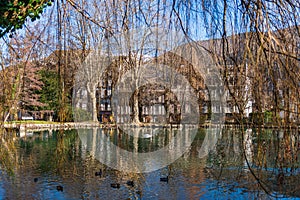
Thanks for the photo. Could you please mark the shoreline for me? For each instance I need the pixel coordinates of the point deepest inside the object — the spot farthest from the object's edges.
(53, 125)
(43, 125)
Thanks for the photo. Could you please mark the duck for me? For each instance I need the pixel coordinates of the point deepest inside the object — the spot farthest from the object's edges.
(115, 185)
(139, 192)
(164, 179)
(130, 183)
(59, 188)
(280, 178)
(99, 173)
(147, 136)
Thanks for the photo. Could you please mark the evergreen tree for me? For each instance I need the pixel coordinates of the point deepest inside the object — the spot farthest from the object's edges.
(13, 13)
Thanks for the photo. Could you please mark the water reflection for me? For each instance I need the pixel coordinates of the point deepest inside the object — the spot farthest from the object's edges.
(231, 163)
(143, 150)
(267, 159)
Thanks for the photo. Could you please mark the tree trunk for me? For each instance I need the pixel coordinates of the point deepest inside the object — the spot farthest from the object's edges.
(92, 93)
(135, 113)
(94, 108)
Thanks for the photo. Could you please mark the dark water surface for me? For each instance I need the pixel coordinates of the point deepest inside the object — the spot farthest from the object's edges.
(226, 164)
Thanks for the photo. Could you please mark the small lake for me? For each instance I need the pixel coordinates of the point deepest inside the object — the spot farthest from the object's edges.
(227, 163)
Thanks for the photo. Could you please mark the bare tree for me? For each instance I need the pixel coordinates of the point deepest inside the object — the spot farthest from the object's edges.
(261, 46)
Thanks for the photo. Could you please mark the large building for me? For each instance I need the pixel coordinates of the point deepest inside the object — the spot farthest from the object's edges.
(239, 84)
(183, 98)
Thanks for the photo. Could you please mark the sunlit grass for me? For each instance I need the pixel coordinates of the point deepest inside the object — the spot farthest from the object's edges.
(31, 122)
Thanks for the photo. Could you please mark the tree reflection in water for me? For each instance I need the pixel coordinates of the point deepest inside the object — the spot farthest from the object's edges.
(258, 159)
(8, 154)
(248, 163)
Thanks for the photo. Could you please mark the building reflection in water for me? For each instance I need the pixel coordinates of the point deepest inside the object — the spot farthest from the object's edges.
(213, 166)
(141, 150)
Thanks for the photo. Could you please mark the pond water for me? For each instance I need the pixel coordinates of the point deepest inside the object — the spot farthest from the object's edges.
(226, 163)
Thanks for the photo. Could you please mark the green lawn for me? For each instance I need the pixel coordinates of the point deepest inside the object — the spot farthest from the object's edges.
(31, 122)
